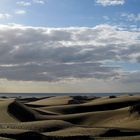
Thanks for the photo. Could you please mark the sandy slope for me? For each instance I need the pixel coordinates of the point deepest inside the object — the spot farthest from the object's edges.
(58, 100)
(5, 116)
(2, 138)
(71, 118)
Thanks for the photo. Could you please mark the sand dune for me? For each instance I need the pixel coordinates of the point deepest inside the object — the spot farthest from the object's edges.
(96, 105)
(58, 100)
(2, 138)
(72, 118)
(5, 116)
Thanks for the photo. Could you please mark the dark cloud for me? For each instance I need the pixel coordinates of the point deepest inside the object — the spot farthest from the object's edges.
(132, 77)
(52, 54)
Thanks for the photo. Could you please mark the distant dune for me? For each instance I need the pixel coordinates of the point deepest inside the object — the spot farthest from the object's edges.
(70, 118)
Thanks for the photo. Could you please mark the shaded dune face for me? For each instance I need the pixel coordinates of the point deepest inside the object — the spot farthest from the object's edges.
(21, 112)
(70, 118)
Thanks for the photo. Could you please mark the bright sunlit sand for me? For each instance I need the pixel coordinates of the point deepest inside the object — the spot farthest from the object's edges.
(75, 117)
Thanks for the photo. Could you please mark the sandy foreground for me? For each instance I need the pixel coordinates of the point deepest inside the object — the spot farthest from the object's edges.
(70, 118)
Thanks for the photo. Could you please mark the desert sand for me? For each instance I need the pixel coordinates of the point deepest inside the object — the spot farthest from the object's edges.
(70, 118)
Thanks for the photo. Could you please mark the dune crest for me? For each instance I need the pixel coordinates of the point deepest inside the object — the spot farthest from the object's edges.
(70, 118)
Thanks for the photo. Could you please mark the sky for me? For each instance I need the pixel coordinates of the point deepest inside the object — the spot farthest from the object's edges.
(69, 46)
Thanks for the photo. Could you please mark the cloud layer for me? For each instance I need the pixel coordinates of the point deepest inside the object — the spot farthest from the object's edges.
(53, 54)
(26, 3)
(131, 16)
(5, 16)
(23, 3)
(20, 12)
(110, 2)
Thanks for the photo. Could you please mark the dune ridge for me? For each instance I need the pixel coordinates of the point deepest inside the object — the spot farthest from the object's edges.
(70, 118)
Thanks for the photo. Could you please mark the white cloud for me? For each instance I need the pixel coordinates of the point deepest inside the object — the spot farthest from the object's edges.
(131, 16)
(53, 54)
(5, 16)
(23, 3)
(20, 12)
(39, 1)
(110, 2)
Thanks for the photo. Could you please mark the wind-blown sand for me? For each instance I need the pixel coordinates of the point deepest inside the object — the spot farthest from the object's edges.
(70, 118)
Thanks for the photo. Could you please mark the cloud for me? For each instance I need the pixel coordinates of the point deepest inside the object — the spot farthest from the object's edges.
(26, 4)
(110, 2)
(132, 77)
(23, 3)
(131, 16)
(20, 12)
(5, 16)
(39, 1)
(53, 54)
